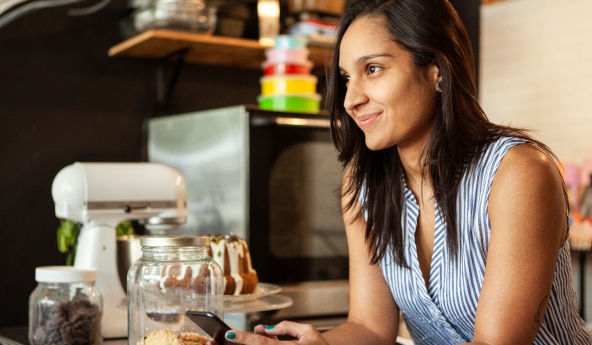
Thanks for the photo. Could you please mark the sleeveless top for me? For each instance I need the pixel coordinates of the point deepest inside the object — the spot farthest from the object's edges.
(446, 313)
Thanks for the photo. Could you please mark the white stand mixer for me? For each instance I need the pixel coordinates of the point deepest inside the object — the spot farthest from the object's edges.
(100, 196)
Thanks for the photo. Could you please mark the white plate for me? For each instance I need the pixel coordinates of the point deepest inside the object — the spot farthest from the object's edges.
(271, 302)
(262, 290)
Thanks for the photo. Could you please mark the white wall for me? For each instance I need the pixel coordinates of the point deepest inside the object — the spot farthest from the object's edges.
(536, 72)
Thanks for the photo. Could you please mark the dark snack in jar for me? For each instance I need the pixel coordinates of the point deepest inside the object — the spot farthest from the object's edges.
(68, 323)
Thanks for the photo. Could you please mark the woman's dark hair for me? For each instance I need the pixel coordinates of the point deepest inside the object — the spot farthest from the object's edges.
(432, 32)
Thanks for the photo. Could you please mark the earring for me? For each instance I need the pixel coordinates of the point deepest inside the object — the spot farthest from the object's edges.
(439, 86)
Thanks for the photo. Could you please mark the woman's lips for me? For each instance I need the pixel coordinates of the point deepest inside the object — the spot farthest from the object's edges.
(367, 120)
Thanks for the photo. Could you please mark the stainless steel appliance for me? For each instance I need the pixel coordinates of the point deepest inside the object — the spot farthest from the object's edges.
(274, 179)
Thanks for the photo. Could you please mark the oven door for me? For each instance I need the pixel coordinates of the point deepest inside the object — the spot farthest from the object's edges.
(295, 226)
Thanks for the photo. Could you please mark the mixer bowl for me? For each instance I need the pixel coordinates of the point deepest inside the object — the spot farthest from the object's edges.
(129, 250)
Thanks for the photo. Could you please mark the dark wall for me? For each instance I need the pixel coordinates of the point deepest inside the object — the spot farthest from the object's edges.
(62, 99)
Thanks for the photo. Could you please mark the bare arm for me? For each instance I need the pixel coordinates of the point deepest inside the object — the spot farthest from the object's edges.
(373, 315)
(527, 212)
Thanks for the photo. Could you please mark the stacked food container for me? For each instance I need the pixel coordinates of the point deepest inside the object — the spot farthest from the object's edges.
(287, 83)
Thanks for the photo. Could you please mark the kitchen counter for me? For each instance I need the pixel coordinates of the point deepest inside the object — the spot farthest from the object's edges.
(20, 335)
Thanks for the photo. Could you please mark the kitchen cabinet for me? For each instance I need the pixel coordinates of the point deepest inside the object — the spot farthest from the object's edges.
(206, 49)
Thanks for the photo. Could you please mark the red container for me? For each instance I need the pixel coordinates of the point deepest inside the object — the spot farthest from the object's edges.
(282, 68)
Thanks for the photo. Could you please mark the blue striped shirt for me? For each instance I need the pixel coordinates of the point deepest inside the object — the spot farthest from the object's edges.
(446, 313)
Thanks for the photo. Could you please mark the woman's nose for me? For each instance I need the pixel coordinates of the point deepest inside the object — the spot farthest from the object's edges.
(354, 96)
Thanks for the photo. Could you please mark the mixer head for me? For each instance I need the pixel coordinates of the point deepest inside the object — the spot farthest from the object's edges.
(109, 193)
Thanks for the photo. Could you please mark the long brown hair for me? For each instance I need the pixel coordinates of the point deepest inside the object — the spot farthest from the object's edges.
(433, 33)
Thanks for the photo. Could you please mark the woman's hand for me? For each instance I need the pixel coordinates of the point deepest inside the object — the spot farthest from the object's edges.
(303, 334)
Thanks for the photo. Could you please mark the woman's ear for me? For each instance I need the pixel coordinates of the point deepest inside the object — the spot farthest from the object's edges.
(434, 73)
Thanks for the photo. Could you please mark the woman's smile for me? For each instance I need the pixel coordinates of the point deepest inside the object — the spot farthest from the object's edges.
(367, 120)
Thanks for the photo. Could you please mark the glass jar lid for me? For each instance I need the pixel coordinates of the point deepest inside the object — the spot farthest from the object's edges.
(64, 274)
(175, 241)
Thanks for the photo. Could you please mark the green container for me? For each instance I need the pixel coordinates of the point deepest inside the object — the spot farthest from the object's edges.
(306, 103)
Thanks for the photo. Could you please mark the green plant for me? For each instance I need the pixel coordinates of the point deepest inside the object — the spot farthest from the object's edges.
(67, 236)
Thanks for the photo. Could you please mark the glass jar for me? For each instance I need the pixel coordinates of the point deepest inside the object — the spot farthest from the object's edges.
(173, 275)
(65, 307)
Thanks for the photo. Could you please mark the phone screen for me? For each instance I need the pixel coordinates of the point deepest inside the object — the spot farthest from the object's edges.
(211, 324)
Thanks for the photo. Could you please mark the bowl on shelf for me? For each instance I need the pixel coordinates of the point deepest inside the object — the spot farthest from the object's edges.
(231, 18)
(193, 15)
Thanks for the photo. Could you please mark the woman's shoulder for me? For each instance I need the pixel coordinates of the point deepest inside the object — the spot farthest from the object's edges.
(514, 155)
(518, 155)
(485, 165)
(528, 155)
(528, 169)
(529, 181)
(504, 143)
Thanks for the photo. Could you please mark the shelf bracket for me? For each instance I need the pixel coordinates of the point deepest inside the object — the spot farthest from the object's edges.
(165, 84)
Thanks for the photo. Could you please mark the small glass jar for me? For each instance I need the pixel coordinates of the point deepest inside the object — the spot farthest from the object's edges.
(173, 275)
(65, 307)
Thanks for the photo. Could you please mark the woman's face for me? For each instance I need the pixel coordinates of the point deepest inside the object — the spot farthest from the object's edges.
(389, 99)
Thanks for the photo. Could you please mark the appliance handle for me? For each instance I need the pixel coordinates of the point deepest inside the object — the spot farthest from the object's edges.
(283, 121)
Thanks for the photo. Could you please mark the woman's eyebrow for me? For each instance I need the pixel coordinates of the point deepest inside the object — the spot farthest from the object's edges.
(365, 58)
(362, 59)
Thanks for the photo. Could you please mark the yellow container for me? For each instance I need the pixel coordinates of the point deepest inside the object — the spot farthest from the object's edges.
(284, 84)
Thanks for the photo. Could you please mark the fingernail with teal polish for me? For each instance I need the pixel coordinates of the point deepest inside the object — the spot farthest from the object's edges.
(269, 327)
(230, 335)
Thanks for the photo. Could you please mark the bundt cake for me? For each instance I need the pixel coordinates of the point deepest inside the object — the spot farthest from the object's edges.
(232, 254)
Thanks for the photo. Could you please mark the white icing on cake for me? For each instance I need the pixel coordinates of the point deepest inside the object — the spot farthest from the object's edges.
(234, 247)
(218, 250)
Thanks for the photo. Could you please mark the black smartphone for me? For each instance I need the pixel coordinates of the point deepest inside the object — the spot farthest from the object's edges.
(211, 324)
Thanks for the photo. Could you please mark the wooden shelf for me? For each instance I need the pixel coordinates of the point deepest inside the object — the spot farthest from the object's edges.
(205, 49)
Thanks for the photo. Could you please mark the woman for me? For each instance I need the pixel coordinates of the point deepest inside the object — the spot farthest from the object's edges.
(456, 223)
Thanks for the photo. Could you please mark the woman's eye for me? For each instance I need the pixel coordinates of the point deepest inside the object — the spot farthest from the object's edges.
(345, 79)
(373, 69)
